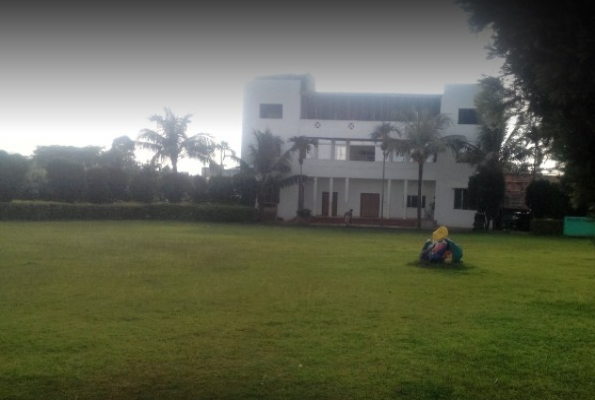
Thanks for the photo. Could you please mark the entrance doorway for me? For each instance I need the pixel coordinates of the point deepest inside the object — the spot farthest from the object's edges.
(369, 205)
(325, 210)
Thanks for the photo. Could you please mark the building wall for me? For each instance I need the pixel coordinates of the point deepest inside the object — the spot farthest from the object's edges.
(352, 178)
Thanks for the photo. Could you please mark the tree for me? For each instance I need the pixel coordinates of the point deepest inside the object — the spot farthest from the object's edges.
(224, 151)
(66, 180)
(302, 145)
(549, 55)
(500, 143)
(121, 154)
(170, 141)
(13, 169)
(486, 191)
(269, 166)
(420, 137)
(86, 156)
(98, 185)
(383, 133)
(144, 185)
(546, 199)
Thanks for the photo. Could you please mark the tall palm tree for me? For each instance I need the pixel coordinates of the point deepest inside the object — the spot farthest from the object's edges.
(170, 141)
(302, 145)
(420, 136)
(383, 133)
(269, 164)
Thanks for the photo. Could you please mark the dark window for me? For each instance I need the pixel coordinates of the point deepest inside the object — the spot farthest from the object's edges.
(271, 111)
(362, 153)
(467, 116)
(461, 199)
(412, 201)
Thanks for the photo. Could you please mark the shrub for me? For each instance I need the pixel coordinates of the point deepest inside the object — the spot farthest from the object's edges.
(548, 226)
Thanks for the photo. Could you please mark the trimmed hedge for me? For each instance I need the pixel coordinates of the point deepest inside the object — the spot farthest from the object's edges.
(42, 211)
(547, 226)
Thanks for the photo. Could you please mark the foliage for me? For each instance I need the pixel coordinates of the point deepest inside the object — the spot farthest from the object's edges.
(221, 189)
(549, 56)
(546, 199)
(121, 154)
(269, 165)
(200, 187)
(13, 170)
(302, 145)
(98, 186)
(88, 156)
(246, 188)
(498, 145)
(66, 180)
(52, 211)
(486, 192)
(144, 185)
(170, 140)
(547, 226)
(419, 135)
(175, 187)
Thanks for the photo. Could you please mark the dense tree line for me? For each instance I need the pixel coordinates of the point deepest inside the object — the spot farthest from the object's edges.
(88, 174)
(549, 61)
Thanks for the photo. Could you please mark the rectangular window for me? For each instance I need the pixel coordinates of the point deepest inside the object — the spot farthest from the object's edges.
(412, 201)
(362, 153)
(461, 199)
(324, 150)
(271, 111)
(340, 151)
(467, 116)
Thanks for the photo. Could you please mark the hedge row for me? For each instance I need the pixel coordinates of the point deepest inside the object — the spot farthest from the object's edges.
(34, 211)
(547, 226)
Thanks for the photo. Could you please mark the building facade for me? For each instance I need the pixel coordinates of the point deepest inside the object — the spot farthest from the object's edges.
(345, 171)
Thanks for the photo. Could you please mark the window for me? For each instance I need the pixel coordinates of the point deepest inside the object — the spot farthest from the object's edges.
(324, 150)
(461, 199)
(271, 111)
(362, 153)
(340, 151)
(412, 201)
(467, 116)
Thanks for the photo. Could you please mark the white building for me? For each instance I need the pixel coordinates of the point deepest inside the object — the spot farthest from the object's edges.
(348, 164)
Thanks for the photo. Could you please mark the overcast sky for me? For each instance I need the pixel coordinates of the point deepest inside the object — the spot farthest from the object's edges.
(82, 75)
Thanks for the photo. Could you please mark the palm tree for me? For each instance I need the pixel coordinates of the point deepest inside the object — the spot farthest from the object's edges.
(269, 165)
(224, 151)
(302, 145)
(382, 133)
(420, 137)
(170, 141)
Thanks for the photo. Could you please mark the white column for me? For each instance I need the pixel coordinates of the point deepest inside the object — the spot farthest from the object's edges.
(387, 206)
(405, 184)
(346, 193)
(330, 197)
(314, 197)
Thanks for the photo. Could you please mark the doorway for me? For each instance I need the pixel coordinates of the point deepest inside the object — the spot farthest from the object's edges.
(325, 198)
(369, 205)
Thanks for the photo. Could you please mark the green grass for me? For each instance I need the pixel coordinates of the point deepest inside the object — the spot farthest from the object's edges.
(150, 310)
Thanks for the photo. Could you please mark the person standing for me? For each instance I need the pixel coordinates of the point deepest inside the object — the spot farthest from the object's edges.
(348, 216)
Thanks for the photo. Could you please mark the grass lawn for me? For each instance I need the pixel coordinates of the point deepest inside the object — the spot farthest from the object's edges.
(153, 310)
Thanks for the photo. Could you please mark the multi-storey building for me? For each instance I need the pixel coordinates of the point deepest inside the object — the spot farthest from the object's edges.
(345, 171)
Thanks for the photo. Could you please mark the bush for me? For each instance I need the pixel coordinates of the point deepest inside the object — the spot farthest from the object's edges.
(44, 211)
(547, 226)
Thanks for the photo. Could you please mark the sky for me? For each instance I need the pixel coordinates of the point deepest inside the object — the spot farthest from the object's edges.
(85, 74)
